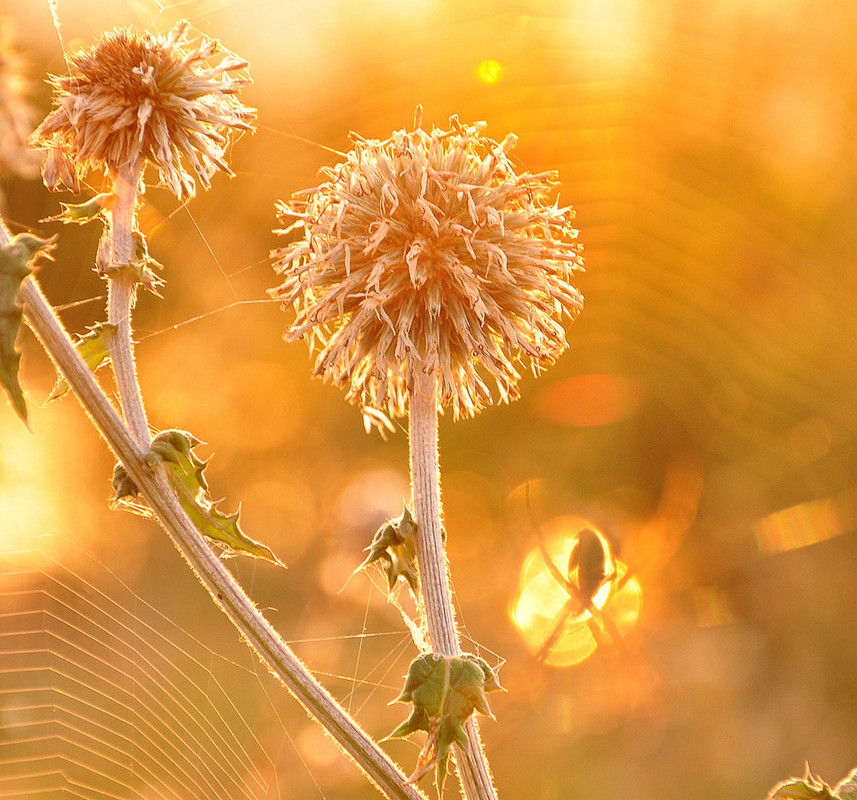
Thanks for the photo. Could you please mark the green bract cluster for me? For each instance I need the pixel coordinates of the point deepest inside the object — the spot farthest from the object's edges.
(15, 260)
(445, 691)
(394, 543)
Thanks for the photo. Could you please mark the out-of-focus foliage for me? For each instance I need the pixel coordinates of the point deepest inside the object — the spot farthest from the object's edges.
(15, 266)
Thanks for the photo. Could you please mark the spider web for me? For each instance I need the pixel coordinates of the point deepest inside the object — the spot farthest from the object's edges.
(103, 696)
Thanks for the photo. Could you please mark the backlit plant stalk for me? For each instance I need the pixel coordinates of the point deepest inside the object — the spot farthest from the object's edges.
(428, 267)
(133, 100)
(205, 563)
(128, 102)
(121, 297)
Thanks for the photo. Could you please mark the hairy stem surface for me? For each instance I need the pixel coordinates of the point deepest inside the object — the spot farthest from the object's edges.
(121, 294)
(473, 768)
(223, 588)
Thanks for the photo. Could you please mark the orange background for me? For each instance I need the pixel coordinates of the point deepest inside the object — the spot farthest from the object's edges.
(703, 418)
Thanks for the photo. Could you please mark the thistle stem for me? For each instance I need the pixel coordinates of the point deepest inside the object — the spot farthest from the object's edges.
(473, 769)
(121, 296)
(209, 569)
(425, 490)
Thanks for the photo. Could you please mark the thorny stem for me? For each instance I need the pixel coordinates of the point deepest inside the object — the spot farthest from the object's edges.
(223, 588)
(473, 769)
(121, 295)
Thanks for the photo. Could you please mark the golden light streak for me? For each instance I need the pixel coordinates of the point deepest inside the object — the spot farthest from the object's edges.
(807, 523)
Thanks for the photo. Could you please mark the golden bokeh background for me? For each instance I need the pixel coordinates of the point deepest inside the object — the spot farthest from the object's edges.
(704, 418)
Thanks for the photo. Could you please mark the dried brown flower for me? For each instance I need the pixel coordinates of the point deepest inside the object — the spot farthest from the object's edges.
(427, 251)
(135, 98)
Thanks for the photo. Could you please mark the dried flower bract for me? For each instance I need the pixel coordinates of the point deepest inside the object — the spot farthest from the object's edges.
(427, 251)
(135, 98)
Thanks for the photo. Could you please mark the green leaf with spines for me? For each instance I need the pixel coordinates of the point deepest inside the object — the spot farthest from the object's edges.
(444, 691)
(142, 266)
(81, 213)
(94, 349)
(16, 259)
(394, 544)
(811, 787)
(173, 449)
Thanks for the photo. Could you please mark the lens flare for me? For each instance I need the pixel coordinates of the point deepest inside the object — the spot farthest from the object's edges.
(559, 624)
(489, 71)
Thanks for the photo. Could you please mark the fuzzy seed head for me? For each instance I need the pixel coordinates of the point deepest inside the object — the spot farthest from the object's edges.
(134, 99)
(427, 251)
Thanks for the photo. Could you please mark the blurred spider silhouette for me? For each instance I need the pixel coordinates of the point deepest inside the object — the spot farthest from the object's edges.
(592, 577)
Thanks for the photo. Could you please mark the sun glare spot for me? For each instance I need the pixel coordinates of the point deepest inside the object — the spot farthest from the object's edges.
(489, 71)
(559, 626)
(26, 502)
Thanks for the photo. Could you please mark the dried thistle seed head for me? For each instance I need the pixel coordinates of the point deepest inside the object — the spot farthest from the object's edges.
(427, 251)
(132, 99)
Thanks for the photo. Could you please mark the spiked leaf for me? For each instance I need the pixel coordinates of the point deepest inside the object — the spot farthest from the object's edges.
(15, 260)
(173, 449)
(394, 543)
(808, 788)
(445, 691)
(142, 266)
(94, 349)
(84, 212)
(418, 721)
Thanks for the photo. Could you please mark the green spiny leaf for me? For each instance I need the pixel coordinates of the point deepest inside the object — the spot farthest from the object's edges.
(418, 721)
(84, 212)
(15, 260)
(94, 349)
(808, 788)
(442, 768)
(445, 691)
(142, 266)
(173, 449)
(394, 543)
(123, 484)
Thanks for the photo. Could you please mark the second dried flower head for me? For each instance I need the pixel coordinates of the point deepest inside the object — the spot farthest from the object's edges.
(428, 251)
(134, 99)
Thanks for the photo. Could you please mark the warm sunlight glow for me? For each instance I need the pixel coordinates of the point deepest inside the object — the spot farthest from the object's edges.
(28, 503)
(489, 71)
(554, 624)
(585, 401)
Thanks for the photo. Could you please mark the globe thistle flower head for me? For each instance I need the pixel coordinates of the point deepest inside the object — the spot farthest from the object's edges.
(134, 99)
(428, 251)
